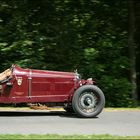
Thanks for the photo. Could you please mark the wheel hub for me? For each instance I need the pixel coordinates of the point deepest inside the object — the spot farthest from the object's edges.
(88, 101)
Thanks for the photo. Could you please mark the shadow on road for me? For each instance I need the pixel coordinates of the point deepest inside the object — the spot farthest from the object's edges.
(41, 113)
(31, 113)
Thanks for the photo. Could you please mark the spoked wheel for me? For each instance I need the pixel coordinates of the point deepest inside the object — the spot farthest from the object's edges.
(88, 101)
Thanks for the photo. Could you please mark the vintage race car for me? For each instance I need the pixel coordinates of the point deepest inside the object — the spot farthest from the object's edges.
(83, 97)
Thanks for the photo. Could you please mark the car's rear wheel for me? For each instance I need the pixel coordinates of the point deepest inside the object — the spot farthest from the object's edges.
(69, 109)
(88, 101)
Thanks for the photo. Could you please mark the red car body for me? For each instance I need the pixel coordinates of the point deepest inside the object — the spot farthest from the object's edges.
(27, 85)
(40, 86)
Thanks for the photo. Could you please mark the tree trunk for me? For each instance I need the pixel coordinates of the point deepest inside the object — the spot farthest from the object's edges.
(132, 49)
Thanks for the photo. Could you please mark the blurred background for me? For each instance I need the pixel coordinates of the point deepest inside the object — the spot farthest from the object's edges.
(99, 38)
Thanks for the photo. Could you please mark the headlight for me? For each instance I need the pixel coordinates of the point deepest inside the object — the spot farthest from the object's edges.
(77, 75)
(89, 79)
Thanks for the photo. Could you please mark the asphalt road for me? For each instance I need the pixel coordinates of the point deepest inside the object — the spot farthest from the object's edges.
(115, 123)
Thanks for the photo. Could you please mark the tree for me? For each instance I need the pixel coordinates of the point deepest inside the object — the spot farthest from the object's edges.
(132, 49)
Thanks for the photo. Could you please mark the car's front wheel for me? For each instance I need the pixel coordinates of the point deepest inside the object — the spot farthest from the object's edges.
(88, 101)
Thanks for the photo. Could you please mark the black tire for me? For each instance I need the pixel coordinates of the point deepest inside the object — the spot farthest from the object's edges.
(69, 109)
(88, 101)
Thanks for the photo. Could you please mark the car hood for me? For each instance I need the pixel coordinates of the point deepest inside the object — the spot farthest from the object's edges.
(43, 73)
(55, 74)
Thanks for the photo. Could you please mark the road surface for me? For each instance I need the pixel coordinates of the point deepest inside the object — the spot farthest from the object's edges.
(124, 123)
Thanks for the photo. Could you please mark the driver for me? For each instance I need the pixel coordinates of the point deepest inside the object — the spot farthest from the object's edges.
(5, 74)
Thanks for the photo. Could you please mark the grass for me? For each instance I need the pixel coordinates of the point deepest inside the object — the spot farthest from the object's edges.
(54, 136)
(122, 109)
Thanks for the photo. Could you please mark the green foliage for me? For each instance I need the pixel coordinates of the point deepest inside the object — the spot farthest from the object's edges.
(118, 91)
(67, 35)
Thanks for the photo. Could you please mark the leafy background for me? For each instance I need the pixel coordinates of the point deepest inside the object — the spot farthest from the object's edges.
(64, 35)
